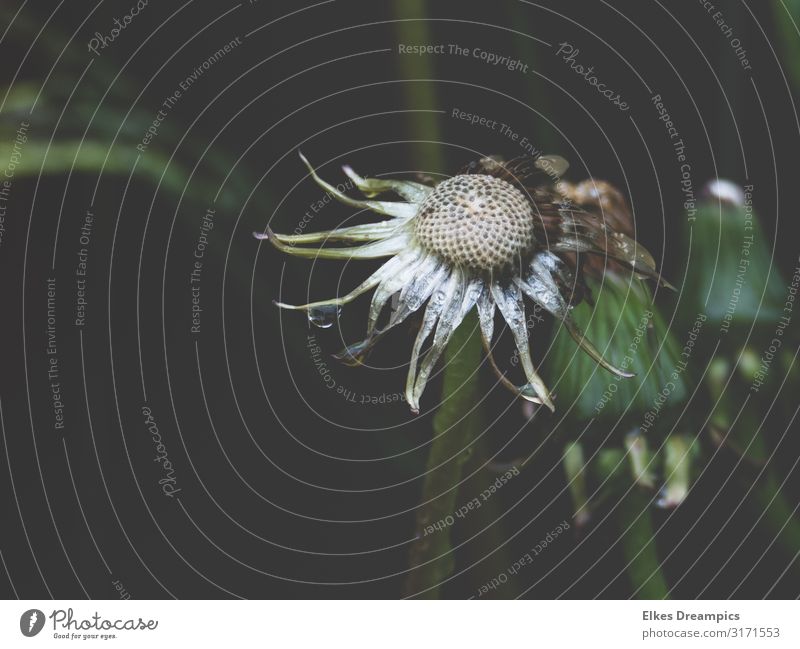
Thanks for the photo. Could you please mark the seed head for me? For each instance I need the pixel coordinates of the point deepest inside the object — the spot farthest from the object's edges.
(476, 221)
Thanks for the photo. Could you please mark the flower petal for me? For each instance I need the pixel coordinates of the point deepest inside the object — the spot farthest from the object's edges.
(509, 301)
(440, 299)
(373, 280)
(486, 315)
(552, 165)
(461, 301)
(355, 354)
(420, 281)
(525, 391)
(411, 191)
(427, 278)
(584, 232)
(395, 209)
(392, 284)
(383, 248)
(355, 233)
(542, 289)
(586, 345)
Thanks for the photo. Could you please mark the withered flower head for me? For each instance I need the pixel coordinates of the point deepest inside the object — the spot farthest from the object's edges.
(484, 238)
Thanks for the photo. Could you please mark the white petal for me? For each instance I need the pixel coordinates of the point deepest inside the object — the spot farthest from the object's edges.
(427, 277)
(391, 285)
(486, 314)
(538, 284)
(382, 248)
(373, 280)
(509, 301)
(355, 233)
(411, 191)
(542, 289)
(440, 299)
(396, 209)
(420, 281)
(460, 303)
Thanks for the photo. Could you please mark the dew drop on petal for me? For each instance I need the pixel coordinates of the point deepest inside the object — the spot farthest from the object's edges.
(324, 316)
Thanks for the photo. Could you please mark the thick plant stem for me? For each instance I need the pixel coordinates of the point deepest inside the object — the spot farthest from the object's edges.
(487, 523)
(638, 545)
(786, 28)
(419, 93)
(456, 425)
(431, 557)
(635, 526)
(779, 516)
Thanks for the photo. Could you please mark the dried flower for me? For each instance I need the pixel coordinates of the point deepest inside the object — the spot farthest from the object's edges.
(484, 238)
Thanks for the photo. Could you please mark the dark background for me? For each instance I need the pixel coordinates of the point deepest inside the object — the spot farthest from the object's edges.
(288, 489)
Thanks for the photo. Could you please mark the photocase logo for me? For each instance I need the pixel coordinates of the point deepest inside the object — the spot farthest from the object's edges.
(31, 622)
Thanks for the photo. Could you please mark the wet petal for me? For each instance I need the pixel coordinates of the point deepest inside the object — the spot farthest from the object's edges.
(539, 285)
(486, 315)
(526, 391)
(440, 299)
(486, 308)
(586, 345)
(355, 233)
(411, 191)
(396, 209)
(391, 284)
(419, 282)
(583, 232)
(356, 353)
(373, 280)
(552, 165)
(383, 248)
(427, 278)
(461, 301)
(509, 301)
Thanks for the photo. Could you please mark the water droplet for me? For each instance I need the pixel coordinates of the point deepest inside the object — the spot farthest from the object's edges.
(324, 316)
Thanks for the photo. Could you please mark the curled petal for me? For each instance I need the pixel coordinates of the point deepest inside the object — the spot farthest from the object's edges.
(462, 300)
(411, 191)
(509, 301)
(486, 309)
(429, 275)
(542, 289)
(391, 285)
(382, 248)
(526, 391)
(418, 283)
(438, 302)
(552, 165)
(355, 354)
(586, 345)
(583, 232)
(395, 209)
(373, 280)
(355, 233)
(539, 285)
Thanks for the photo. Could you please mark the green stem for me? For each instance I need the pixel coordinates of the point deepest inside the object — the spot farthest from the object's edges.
(431, 555)
(635, 525)
(779, 516)
(786, 27)
(455, 428)
(486, 522)
(411, 28)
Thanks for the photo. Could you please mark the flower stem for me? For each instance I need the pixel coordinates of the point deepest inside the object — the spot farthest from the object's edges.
(418, 91)
(455, 426)
(635, 526)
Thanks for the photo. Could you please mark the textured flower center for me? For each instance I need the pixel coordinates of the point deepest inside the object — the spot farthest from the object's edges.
(477, 221)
